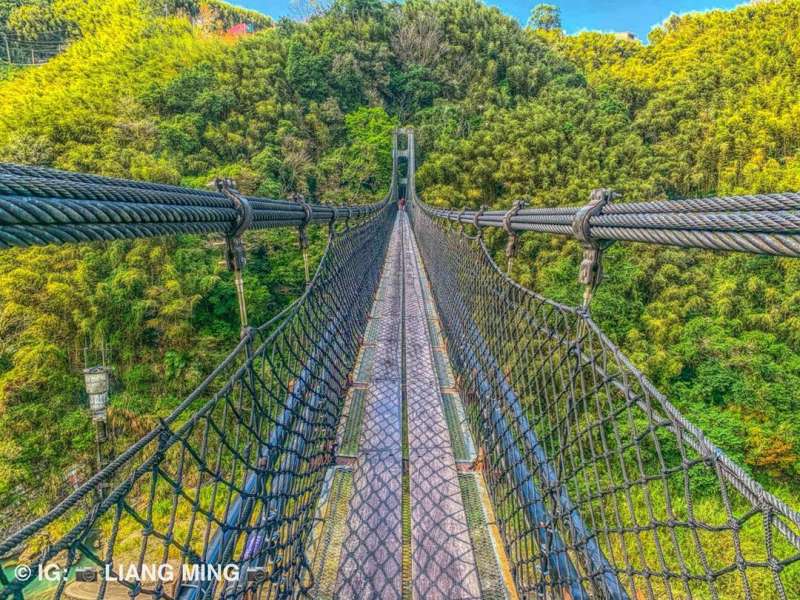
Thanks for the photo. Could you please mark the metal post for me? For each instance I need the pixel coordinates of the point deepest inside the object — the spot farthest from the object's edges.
(411, 173)
(236, 249)
(304, 246)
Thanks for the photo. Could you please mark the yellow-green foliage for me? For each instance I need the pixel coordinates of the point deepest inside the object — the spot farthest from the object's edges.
(143, 95)
(711, 105)
(78, 110)
(714, 94)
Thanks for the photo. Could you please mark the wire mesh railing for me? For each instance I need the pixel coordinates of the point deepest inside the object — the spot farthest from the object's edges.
(232, 476)
(601, 488)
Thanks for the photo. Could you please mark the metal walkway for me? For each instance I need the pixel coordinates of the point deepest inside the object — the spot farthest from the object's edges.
(410, 420)
(371, 564)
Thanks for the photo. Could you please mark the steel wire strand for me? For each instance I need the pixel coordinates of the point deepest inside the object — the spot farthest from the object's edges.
(760, 224)
(757, 202)
(66, 189)
(57, 207)
(784, 221)
(56, 174)
(63, 184)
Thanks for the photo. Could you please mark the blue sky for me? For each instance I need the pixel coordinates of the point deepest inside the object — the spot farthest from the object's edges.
(576, 15)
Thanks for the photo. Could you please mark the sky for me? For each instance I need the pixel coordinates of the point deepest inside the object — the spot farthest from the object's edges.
(637, 17)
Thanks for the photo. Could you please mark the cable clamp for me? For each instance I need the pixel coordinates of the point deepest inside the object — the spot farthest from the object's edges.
(591, 271)
(244, 211)
(234, 251)
(511, 245)
(460, 224)
(307, 212)
(476, 219)
(332, 222)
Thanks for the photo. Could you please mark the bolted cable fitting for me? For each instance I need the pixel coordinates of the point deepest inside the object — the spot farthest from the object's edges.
(513, 236)
(591, 271)
(332, 223)
(234, 254)
(307, 212)
(460, 223)
(476, 220)
(302, 234)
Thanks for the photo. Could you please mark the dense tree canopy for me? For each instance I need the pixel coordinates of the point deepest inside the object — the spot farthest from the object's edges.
(545, 16)
(710, 105)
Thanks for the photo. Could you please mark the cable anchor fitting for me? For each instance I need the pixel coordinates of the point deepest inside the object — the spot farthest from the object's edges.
(476, 220)
(332, 223)
(460, 223)
(591, 270)
(302, 234)
(513, 236)
(234, 248)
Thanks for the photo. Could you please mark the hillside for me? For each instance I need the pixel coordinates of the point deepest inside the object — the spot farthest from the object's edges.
(709, 106)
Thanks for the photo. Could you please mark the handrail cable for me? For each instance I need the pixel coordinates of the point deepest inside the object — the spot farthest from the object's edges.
(760, 224)
(44, 206)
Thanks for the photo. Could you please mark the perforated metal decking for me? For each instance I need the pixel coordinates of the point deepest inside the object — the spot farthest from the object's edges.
(371, 558)
(403, 405)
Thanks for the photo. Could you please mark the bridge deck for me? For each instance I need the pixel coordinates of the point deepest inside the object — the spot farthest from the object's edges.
(405, 532)
(371, 562)
(443, 564)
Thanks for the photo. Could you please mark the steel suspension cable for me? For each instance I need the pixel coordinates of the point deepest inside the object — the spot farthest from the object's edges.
(761, 224)
(46, 206)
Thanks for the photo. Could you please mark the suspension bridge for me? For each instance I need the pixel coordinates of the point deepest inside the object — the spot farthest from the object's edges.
(416, 424)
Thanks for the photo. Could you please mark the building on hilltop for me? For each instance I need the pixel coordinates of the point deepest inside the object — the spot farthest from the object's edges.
(240, 29)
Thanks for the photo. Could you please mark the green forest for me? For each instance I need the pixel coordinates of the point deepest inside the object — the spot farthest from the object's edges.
(157, 91)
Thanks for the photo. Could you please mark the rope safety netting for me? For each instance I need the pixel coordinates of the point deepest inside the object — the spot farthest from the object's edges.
(601, 488)
(233, 475)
